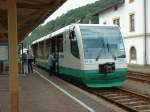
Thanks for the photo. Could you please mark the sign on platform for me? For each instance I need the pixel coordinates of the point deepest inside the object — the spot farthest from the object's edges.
(3, 52)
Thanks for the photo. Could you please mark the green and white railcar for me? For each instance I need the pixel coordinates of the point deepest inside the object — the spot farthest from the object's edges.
(92, 54)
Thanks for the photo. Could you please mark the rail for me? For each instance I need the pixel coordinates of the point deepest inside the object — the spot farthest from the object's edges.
(142, 77)
(125, 99)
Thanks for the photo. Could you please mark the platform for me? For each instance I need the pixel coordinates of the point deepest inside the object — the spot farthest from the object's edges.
(43, 93)
(139, 68)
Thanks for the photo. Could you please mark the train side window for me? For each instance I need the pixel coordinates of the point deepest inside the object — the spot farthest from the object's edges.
(60, 43)
(48, 48)
(34, 48)
(74, 48)
(40, 50)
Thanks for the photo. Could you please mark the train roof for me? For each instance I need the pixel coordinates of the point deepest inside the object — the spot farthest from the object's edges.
(40, 39)
(65, 28)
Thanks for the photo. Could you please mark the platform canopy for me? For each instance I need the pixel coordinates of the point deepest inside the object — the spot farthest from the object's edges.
(30, 13)
(17, 19)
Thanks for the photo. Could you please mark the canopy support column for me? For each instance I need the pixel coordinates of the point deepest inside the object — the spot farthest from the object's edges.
(13, 56)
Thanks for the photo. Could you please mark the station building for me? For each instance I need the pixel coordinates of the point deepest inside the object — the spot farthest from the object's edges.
(133, 18)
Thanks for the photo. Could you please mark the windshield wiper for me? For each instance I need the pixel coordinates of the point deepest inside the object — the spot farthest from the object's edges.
(121, 56)
(109, 51)
(99, 52)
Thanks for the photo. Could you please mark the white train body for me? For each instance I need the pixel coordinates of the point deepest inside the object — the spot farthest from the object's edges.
(82, 52)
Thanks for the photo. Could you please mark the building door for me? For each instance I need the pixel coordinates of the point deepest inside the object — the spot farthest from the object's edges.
(133, 55)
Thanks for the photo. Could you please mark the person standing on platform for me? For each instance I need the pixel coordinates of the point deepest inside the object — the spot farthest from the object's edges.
(51, 64)
(30, 60)
(25, 63)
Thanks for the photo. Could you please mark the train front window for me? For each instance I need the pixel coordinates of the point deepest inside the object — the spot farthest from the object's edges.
(102, 42)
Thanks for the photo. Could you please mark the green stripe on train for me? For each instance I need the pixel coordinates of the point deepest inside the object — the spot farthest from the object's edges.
(91, 78)
(83, 73)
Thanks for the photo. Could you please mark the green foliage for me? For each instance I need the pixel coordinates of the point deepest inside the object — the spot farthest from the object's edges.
(85, 14)
(61, 1)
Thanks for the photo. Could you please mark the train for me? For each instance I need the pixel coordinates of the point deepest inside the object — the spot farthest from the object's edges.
(88, 53)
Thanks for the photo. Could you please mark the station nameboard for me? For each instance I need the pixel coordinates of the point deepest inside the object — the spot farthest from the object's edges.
(3, 52)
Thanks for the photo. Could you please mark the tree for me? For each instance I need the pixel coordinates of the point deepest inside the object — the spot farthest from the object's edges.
(85, 14)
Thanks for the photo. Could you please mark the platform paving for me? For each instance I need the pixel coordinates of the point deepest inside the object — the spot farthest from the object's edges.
(38, 95)
(139, 68)
(137, 86)
(4, 94)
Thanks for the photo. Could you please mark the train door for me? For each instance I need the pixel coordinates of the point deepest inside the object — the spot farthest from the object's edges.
(55, 52)
(57, 49)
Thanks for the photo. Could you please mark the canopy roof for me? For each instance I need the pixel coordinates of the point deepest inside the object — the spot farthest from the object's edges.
(30, 13)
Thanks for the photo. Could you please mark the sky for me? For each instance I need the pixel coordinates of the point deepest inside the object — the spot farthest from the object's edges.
(70, 4)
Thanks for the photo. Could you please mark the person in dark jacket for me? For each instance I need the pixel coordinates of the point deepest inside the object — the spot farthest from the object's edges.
(51, 64)
(30, 60)
(25, 63)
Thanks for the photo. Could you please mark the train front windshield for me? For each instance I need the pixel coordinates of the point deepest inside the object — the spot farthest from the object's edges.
(102, 42)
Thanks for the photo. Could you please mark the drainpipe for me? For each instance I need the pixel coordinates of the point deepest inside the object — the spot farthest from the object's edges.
(145, 33)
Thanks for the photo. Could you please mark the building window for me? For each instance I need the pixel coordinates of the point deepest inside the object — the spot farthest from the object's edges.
(132, 22)
(116, 21)
(130, 1)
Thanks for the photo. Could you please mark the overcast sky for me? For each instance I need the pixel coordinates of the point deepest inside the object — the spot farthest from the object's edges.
(70, 4)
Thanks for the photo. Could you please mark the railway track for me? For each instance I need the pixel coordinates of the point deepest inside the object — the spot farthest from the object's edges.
(125, 99)
(128, 100)
(139, 76)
